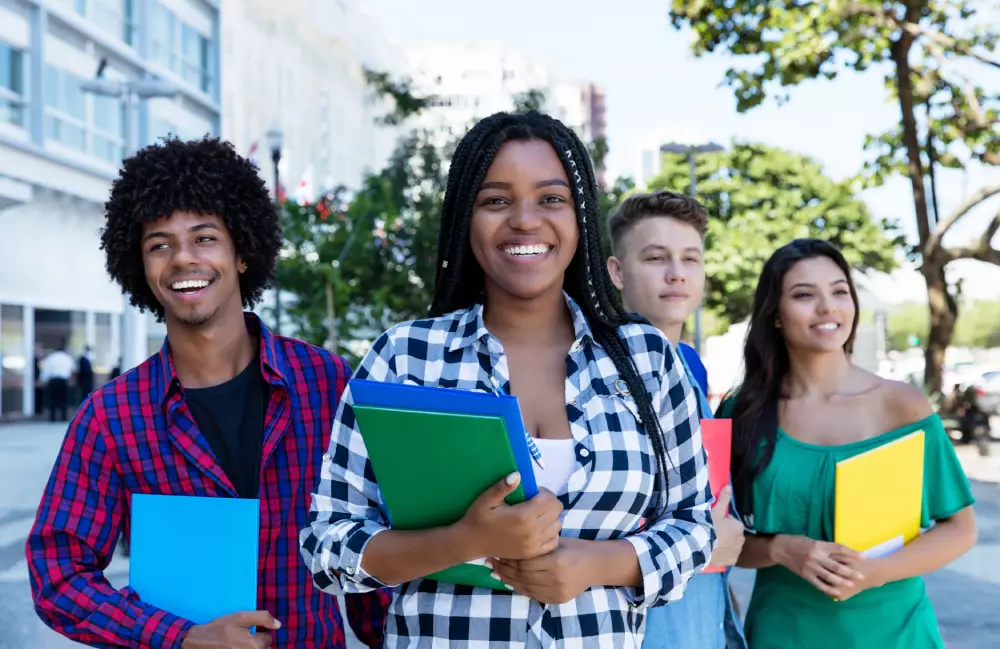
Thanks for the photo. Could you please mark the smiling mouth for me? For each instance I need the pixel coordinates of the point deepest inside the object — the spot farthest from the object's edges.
(190, 286)
(526, 251)
(827, 327)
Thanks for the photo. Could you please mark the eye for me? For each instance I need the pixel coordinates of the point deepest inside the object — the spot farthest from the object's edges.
(494, 200)
(204, 238)
(843, 291)
(654, 258)
(552, 198)
(157, 246)
(693, 260)
(798, 296)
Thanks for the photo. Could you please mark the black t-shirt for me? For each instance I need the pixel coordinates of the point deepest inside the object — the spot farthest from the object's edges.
(231, 417)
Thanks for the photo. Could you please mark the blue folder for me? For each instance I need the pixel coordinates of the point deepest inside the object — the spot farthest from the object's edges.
(195, 557)
(403, 396)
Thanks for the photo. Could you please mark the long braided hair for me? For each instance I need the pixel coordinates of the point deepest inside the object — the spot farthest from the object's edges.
(460, 281)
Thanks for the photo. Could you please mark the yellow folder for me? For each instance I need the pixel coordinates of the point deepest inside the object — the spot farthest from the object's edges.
(879, 495)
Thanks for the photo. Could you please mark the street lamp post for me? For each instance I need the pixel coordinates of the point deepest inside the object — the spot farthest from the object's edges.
(275, 139)
(692, 151)
(131, 92)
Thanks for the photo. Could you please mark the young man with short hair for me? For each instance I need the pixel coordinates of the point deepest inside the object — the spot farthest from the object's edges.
(658, 245)
(225, 409)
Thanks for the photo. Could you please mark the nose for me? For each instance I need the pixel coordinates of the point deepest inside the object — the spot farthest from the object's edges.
(826, 304)
(674, 273)
(184, 255)
(524, 216)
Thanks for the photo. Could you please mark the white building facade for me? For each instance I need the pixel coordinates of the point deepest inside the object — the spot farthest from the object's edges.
(298, 66)
(470, 81)
(60, 148)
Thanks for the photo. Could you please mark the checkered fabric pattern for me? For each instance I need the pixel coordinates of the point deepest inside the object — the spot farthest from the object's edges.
(608, 493)
(136, 435)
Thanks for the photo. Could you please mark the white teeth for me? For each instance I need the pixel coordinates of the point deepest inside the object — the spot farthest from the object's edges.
(191, 283)
(537, 249)
(828, 326)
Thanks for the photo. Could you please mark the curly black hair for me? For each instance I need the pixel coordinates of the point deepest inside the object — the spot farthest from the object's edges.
(205, 176)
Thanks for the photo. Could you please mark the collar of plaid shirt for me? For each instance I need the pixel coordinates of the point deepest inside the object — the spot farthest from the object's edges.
(136, 435)
(607, 495)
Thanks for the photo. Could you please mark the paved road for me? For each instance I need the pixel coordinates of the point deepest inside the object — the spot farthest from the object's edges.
(966, 594)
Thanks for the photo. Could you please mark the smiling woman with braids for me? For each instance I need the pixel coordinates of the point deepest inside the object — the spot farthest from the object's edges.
(523, 304)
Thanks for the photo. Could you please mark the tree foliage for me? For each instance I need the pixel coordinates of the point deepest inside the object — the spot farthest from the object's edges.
(760, 198)
(929, 52)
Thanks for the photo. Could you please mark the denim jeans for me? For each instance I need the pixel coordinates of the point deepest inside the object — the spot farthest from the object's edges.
(703, 619)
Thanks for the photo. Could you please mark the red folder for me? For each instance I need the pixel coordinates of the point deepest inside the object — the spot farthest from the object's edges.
(717, 437)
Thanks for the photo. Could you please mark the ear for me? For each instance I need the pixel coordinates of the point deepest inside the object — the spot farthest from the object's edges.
(241, 265)
(615, 270)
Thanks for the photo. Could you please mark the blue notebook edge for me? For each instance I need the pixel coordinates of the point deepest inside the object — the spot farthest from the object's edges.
(401, 396)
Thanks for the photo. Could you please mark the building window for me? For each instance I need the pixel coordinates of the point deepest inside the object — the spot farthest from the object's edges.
(181, 49)
(109, 129)
(11, 85)
(116, 16)
(160, 128)
(65, 109)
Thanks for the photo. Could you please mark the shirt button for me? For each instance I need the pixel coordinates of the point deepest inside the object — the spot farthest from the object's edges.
(572, 402)
(326, 457)
(349, 570)
(584, 452)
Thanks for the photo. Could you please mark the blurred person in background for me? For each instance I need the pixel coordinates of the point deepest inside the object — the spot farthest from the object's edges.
(658, 264)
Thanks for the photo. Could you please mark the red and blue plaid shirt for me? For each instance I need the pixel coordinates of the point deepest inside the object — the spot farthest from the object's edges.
(136, 435)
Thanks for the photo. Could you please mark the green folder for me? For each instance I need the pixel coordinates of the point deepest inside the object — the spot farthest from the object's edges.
(431, 466)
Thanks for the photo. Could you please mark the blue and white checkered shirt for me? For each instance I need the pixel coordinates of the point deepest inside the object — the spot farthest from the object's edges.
(608, 493)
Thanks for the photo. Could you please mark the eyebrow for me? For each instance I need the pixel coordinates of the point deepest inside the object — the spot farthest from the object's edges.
(810, 285)
(655, 246)
(552, 182)
(194, 228)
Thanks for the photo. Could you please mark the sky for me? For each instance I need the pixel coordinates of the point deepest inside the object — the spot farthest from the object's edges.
(656, 91)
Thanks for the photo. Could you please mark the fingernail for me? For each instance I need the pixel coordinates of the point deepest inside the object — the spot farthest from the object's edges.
(495, 575)
(488, 564)
(277, 624)
(512, 478)
(508, 587)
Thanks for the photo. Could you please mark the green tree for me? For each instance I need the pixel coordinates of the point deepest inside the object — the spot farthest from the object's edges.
(358, 270)
(979, 325)
(927, 49)
(761, 198)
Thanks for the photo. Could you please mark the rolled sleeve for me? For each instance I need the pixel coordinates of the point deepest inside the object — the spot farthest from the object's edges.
(156, 629)
(345, 513)
(679, 543)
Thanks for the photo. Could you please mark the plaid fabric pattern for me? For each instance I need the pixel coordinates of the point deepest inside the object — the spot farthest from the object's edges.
(136, 435)
(607, 496)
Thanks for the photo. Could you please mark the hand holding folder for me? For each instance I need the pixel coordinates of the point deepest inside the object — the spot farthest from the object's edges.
(435, 451)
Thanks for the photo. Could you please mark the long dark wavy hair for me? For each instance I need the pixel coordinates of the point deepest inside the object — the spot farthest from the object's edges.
(460, 280)
(765, 358)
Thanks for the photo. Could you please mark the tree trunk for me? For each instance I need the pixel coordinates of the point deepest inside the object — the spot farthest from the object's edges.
(944, 313)
(942, 307)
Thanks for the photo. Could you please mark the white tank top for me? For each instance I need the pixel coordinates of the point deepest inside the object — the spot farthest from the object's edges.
(560, 462)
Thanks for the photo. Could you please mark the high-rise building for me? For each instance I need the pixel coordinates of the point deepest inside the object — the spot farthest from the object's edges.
(470, 81)
(61, 146)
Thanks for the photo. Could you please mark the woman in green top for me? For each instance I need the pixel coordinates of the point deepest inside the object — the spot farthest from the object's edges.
(802, 407)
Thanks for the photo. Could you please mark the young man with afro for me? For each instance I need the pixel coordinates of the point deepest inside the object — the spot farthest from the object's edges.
(224, 409)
